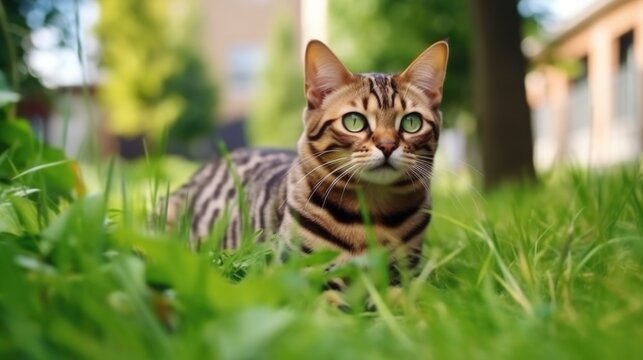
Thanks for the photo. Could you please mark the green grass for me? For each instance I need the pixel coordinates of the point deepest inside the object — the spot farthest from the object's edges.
(547, 271)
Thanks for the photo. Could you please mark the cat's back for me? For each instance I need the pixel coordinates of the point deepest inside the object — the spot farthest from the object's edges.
(213, 191)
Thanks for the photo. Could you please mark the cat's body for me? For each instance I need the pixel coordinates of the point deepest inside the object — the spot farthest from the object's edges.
(212, 191)
(373, 133)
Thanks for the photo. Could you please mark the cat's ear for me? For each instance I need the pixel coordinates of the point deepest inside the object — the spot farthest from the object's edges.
(324, 73)
(428, 70)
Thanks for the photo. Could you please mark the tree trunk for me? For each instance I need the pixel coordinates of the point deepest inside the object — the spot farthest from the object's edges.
(499, 92)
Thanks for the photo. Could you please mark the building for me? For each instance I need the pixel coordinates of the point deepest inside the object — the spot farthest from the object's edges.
(585, 90)
(236, 35)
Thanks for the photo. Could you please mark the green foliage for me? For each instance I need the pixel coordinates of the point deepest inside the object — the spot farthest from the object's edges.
(27, 162)
(10, 15)
(24, 159)
(14, 37)
(386, 35)
(276, 118)
(154, 76)
(197, 117)
(16, 79)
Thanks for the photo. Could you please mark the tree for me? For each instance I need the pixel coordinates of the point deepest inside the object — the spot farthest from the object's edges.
(385, 35)
(15, 40)
(499, 92)
(11, 53)
(276, 118)
(197, 116)
(154, 75)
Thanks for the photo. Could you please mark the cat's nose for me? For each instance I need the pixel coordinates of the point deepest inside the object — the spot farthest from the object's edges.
(387, 148)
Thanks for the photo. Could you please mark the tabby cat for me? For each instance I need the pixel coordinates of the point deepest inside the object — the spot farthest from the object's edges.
(374, 132)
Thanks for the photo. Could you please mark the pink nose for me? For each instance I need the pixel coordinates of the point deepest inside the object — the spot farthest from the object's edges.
(387, 148)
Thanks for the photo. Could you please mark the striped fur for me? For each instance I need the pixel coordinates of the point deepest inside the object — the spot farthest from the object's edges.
(212, 192)
(310, 198)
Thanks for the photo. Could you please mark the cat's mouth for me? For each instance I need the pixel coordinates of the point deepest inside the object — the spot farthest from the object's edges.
(385, 166)
(384, 173)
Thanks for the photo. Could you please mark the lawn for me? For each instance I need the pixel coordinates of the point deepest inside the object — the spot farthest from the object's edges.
(553, 270)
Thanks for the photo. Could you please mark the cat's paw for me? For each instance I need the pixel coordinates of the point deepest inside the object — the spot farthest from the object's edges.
(333, 294)
(335, 299)
(395, 298)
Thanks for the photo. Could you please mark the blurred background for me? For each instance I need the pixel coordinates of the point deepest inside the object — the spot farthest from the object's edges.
(532, 84)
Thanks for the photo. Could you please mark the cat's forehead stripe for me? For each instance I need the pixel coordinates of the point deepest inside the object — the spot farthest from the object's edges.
(383, 88)
(365, 103)
(371, 82)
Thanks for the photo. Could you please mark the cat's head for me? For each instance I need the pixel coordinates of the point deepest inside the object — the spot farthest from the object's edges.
(383, 127)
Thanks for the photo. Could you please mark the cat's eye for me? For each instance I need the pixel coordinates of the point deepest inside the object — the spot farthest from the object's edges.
(354, 122)
(411, 123)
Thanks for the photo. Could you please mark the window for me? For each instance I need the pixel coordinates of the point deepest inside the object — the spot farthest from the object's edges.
(245, 64)
(626, 87)
(580, 100)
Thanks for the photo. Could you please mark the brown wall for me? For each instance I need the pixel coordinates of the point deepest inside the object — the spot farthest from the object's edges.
(596, 36)
(230, 26)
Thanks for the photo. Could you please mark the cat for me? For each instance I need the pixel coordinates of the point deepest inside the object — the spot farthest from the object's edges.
(374, 132)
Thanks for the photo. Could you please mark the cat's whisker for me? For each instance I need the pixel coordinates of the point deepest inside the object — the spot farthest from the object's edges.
(407, 161)
(320, 182)
(421, 168)
(310, 172)
(314, 156)
(420, 164)
(320, 166)
(359, 177)
(420, 178)
(341, 198)
(307, 159)
(414, 175)
(420, 172)
(339, 168)
(428, 157)
(423, 157)
(347, 171)
(410, 175)
(424, 162)
(427, 171)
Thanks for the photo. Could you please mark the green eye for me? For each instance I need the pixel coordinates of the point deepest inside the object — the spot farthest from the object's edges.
(354, 122)
(411, 123)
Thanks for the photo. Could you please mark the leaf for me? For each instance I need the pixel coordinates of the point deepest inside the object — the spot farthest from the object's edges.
(85, 218)
(9, 222)
(17, 140)
(23, 192)
(249, 333)
(79, 184)
(60, 180)
(21, 153)
(27, 213)
(39, 168)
